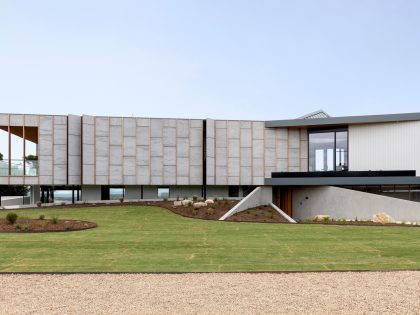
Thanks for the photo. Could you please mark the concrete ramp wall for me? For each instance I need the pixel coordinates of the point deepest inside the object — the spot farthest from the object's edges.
(262, 195)
(350, 204)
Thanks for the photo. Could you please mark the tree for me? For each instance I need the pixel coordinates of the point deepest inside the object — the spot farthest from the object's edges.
(13, 190)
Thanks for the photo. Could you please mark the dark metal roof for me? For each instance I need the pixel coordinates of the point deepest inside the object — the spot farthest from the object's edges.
(343, 181)
(348, 120)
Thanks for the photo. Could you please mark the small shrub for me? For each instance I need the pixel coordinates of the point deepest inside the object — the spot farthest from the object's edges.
(215, 199)
(210, 211)
(42, 216)
(326, 219)
(195, 198)
(54, 220)
(11, 217)
(63, 203)
(39, 204)
(177, 198)
(22, 227)
(165, 199)
(121, 199)
(226, 202)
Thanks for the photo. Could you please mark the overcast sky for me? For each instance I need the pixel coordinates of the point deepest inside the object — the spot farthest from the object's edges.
(217, 59)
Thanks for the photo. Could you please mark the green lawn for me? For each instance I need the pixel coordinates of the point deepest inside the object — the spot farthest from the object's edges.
(149, 239)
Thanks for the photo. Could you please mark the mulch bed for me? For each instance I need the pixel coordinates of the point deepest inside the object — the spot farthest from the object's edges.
(37, 226)
(264, 214)
(205, 213)
(356, 223)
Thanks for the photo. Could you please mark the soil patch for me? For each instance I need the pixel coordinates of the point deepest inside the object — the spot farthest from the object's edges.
(219, 208)
(258, 214)
(37, 226)
(357, 223)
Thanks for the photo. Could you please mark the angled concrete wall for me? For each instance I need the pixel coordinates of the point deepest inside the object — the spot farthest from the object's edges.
(350, 204)
(262, 195)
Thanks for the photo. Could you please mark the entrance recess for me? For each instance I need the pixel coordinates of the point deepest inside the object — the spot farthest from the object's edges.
(283, 198)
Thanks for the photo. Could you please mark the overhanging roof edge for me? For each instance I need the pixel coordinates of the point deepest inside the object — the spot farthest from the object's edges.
(347, 120)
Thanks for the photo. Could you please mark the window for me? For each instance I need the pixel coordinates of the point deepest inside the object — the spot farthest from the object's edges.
(116, 193)
(163, 192)
(18, 151)
(328, 150)
(233, 191)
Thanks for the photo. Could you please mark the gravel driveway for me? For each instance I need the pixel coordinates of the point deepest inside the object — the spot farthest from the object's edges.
(298, 293)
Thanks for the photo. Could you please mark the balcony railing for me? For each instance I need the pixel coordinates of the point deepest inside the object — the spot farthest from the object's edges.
(19, 168)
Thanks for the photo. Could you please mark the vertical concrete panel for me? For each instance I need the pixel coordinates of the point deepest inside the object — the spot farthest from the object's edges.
(46, 152)
(74, 150)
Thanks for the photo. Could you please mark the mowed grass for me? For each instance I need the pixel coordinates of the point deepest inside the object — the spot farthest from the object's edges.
(151, 239)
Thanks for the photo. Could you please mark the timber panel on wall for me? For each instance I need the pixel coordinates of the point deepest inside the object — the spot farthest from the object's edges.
(245, 152)
(142, 151)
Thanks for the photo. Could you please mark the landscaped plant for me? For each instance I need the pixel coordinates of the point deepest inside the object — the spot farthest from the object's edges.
(165, 199)
(326, 219)
(22, 227)
(210, 211)
(195, 198)
(39, 204)
(42, 216)
(54, 220)
(121, 199)
(11, 217)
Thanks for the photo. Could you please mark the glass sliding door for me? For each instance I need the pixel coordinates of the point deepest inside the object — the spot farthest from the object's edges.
(341, 151)
(321, 152)
(4, 150)
(328, 150)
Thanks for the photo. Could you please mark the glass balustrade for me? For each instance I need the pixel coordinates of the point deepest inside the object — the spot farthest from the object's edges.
(19, 168)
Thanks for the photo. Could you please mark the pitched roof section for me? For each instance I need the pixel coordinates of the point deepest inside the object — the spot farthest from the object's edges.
(317, 114)
(349, 120)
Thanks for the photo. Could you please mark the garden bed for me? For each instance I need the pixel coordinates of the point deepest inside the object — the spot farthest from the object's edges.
(258, 214)
(25, 225)
(214, 212)
(356, 223)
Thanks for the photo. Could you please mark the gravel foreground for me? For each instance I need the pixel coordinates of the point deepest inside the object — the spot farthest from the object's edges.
(218, 293)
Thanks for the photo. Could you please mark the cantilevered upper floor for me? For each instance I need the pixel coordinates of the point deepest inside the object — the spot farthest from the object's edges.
(98, 150)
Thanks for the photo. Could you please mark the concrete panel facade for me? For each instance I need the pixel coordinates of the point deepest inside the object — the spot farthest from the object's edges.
(142, 151)
(245, 152)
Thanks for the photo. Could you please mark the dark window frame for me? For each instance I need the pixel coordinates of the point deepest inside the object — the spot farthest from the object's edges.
(334, 130)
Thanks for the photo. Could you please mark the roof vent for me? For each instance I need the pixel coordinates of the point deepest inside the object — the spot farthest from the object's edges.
(317, 114)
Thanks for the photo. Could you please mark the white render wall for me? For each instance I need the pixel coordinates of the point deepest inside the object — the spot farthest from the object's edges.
(385, 146)
(245, 152)
(344, 203)
(142, 151)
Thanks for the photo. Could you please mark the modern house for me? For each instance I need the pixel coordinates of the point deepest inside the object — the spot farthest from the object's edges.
(343, 166)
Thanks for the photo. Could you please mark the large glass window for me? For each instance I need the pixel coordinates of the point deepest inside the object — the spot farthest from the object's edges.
(18, 151)
(4, 151)
(328, 150)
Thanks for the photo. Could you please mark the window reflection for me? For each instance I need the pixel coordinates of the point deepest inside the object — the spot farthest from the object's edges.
(328, 150)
